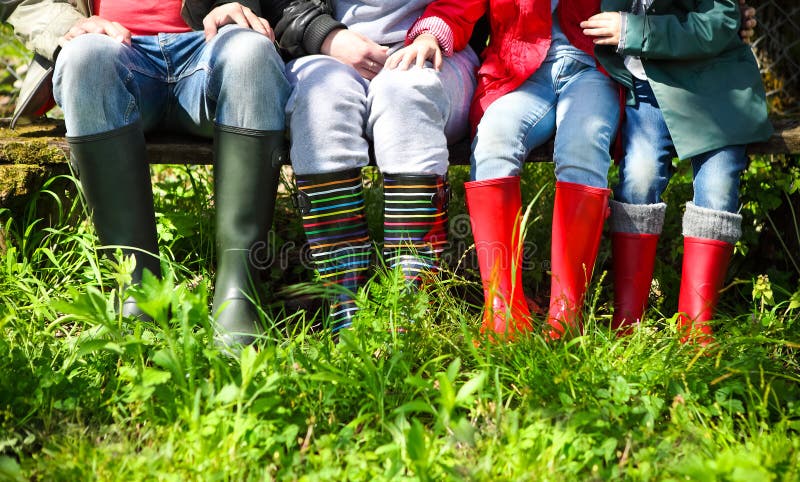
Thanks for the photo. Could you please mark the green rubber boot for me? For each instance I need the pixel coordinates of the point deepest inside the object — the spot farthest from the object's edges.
(115, 177)
(246, 175)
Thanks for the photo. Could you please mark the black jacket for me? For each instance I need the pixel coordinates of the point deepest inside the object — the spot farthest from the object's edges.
(300, 25)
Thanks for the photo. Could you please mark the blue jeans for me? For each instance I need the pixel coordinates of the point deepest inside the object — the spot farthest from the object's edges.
(565, 97)
(172, 82)
(645, 169)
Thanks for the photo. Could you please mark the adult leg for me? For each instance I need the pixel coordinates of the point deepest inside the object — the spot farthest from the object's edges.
(711, 227)
(511, 127)
(248, 130)
(587, 118)
(327, 114)
(107, 147)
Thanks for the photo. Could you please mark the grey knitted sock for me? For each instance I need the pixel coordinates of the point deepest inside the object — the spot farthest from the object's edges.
(637, 218)
(711, 224)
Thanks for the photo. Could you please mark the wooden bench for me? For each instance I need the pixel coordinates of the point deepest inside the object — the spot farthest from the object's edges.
(43, 143)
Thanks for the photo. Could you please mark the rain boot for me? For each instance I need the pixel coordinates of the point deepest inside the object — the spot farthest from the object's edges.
(115, 177)
(579, 213)
(635, 232)
(709, 237)
(415, 223)
(332, 207)
(246, 176)
(495, 212)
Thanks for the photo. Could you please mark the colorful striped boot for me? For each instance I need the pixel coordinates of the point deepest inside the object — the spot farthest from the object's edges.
(415, 223)
(332, 206)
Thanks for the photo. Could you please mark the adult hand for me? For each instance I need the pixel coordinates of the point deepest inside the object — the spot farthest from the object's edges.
(425, 47)
(95, 24)
(357, 51)
(749, 21)
(238, 14)
(605, 27)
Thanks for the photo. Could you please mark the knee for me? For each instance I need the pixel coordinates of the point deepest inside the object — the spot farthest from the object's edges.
(87, 55)
(247, 58)
(89, 59)
(328, 81)
(399, 89)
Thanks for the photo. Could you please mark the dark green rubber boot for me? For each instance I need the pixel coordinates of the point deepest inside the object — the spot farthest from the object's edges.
(246, 175)
(115, 177)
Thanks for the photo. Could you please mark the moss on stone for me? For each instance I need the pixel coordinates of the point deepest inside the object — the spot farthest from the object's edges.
(36, 152)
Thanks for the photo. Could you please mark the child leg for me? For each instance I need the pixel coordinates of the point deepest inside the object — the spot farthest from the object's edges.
(637, 214)
(710, 228)
(583, 138)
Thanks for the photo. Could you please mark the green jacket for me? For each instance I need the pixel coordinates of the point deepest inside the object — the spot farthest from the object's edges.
(704, 77)
(41, 24)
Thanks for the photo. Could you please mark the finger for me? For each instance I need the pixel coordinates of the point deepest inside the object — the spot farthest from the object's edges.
(438, 60)
(74, 32)
(95, 25)
(254, 21)
(391, 62)
(122, 34)
(239, 18)
(370, 65)
(422, 56)
(594, 23)
(268, 28)
(367, 74)
(605, 41)
(597, 32)
(408, 59)
(209, 27)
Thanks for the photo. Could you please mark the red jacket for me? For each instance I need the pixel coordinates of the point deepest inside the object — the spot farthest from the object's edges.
(520, 38)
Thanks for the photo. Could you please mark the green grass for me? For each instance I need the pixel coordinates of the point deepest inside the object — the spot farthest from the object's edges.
(86, 395)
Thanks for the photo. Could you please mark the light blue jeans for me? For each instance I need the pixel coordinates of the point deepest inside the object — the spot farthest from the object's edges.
(645, 169)
(409, 115)
(175, 82)
(565, 97)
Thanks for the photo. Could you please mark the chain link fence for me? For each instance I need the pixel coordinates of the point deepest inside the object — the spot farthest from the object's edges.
(777, 46)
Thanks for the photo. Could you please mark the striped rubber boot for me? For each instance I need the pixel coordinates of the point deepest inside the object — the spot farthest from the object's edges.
(415, 223)
(332, 206)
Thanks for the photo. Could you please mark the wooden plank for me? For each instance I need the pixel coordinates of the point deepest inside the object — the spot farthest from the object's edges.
(35, 143)
(785, 139)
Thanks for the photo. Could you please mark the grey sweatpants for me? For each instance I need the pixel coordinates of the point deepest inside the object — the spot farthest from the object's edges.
(409, 116)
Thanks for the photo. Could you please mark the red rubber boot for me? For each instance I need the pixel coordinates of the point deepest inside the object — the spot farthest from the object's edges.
(705, 263)
(495, 212)
(578, 215)
(634, 257)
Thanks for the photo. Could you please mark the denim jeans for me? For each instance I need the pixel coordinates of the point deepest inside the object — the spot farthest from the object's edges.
(565, 97)
(646, 166)
(409, 115)
(174, 82)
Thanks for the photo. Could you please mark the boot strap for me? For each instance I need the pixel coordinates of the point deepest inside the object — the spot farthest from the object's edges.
(302, 202)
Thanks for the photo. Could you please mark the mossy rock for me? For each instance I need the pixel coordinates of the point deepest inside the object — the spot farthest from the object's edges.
(40, 143)
(34, 152)
(19, 183)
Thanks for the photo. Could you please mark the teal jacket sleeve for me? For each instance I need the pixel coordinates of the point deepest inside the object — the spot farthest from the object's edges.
(707, 30)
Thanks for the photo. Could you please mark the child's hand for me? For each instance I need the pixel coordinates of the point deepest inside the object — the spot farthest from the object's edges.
(749, 21)
(605, 27)
(425, 47)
